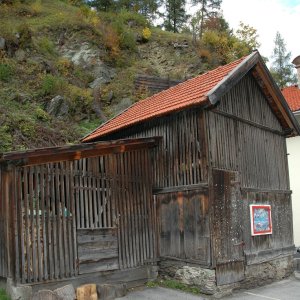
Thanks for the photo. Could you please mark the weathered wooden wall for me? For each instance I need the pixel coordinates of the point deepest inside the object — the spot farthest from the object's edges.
(244, 136)
(180, 183)
(180, 159)
(3, 224)
(73, 217)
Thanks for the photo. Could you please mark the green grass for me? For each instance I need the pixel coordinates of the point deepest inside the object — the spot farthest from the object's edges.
(174, 284)
(3, 295)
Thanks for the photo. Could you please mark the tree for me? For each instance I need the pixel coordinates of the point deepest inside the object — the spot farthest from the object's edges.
(175, 16)
(104, 5)
(281, 68)
(208, 9)
(248, 35)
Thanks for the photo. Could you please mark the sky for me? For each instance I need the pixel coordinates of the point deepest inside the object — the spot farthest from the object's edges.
(268, 17)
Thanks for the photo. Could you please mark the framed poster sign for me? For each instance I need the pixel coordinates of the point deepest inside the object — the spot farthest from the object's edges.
(261, 221)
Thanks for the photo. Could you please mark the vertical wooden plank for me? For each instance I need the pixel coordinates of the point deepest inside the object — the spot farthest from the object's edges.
(16, 202)
(43, 197)
(54, 225)
(39, 257)
(32, 225)
(72, 232)
(64, 212)
(21, 195)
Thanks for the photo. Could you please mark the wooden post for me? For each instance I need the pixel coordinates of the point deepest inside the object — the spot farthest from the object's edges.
(9, 205)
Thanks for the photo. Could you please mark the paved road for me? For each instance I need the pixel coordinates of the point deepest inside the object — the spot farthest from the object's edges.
(288, 289)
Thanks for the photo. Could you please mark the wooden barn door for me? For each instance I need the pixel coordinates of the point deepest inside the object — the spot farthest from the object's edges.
(227, 227)
(184, 226)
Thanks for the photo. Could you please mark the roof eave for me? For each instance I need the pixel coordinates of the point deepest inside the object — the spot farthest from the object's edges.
(215, 94)
(254, 60)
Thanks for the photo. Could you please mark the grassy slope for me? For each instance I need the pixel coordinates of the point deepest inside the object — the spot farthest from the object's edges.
(27, 86)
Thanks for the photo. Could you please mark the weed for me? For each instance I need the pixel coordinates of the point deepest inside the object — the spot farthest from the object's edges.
(174, 284)
(6, 72)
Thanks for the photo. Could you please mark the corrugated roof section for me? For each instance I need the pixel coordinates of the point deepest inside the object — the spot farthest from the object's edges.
(189, 93)
(292, 96)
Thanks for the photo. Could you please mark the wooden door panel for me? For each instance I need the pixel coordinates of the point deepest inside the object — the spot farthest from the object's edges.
(227, 227)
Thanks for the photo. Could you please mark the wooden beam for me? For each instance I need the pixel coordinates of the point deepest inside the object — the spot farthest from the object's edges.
(181, 188)
(274, 95)
(76, 152)
(260, 126)
(232, 78)
(258, 190)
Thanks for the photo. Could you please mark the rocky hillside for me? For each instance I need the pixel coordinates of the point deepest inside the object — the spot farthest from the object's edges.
(65, 69)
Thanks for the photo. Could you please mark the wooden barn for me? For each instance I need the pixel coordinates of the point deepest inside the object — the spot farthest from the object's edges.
(220, 174)
(191, 182)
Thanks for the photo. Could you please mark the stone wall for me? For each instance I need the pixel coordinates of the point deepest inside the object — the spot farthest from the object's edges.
(205, 278)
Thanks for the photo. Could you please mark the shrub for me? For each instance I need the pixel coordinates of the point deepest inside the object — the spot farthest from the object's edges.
(81, 99)
(6, 72)
(111, 40)
(36, 7)
(52, 84)
(41, 115)
(146, 34)
(64, 66)
(132, 18)
(46, 46)
(25, 35)
(5, 145)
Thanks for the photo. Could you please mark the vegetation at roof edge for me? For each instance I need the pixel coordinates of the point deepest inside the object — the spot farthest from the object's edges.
(65, 68)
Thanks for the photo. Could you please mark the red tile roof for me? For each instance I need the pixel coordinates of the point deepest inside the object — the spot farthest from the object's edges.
(189, 93)
(292, 96)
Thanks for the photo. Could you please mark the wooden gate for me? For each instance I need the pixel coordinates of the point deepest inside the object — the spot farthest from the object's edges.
(226, 227)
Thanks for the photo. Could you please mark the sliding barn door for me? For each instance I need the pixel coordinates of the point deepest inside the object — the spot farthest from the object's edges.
(227, 227)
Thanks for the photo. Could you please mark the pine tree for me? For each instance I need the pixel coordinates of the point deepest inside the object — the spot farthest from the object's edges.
(281, 68)
(175, 16)
(208, 9)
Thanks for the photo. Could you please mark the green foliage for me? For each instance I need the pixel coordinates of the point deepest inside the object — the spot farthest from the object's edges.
(146, 34)
(45, 46)
(41, 115)
(248, 36)
(281, 68)
(6, 72)
(25, 35)
(52, 85)
(80, 100)
(208, 10)
(176, 15)
(5, 146)
(174, 284)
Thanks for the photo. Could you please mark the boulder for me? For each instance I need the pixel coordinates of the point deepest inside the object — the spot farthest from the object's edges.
(58, 107)
(87, 57)
(66, 292)
(111, 291)
(87, 292)
(46, 295)
(20, 55)
(204, 279)
(2, 43)
(122, 105)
